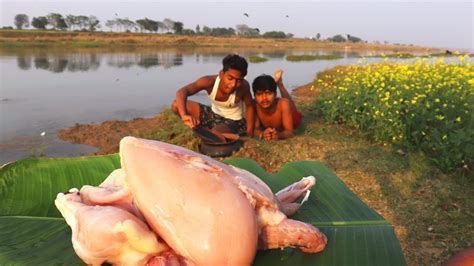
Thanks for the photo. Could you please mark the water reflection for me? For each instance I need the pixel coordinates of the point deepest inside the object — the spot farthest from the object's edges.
(59, 63)
(90, 62)
(82, 60)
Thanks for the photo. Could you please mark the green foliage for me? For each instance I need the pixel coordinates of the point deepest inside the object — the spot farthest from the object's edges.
(172, 130)
(222, 31)
(147, 24)
(188, 32)
(31, 233)
(275, 35)
(57, 21)
(257, 59)
(296, 58)
(21, 20)
(353, 39)
(337, 38)
(421, 106)
(178, 27)
(394, 55)
(39, 22)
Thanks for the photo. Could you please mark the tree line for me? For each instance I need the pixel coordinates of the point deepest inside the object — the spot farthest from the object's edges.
(57, 21)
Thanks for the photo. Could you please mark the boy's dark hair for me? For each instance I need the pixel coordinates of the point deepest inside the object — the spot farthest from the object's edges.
(263, 83)
(235, 62)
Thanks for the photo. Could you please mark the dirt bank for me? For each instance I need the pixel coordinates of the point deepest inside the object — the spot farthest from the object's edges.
(107, 135)
(110, 39)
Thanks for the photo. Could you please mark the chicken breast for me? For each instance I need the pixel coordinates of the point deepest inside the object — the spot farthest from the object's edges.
(192, 204)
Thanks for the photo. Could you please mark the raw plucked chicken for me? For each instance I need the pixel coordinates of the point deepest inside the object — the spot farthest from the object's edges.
(199, 210)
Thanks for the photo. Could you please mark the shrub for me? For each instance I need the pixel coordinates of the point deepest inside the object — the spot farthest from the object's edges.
(424, 106)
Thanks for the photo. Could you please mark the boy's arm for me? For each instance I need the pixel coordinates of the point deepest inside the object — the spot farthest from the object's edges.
(182, 96)
(257, 131)
(287, 120)
(249, 109)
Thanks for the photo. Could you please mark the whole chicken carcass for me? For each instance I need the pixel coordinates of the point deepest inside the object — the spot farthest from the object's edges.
(209, 212)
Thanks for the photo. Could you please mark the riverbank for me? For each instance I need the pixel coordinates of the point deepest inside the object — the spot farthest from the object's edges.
(397, 185)
(45, 38)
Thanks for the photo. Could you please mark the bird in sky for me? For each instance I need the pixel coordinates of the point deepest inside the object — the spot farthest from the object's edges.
(287, 16)
(116, 14)
(245, 14)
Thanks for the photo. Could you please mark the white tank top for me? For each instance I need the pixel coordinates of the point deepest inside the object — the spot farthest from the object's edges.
(228, 109)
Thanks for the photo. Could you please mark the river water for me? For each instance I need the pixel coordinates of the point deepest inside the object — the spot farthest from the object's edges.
(45, 90)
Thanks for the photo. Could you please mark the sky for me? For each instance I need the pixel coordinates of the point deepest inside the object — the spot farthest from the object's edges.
(436, 23)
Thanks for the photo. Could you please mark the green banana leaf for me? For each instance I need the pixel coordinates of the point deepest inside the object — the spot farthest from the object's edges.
(32, 231)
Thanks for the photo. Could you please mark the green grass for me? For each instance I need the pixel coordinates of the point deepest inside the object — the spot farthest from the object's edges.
(404, 187)
(257, 59)
(173, 131)
(297, 58)
(395, 55)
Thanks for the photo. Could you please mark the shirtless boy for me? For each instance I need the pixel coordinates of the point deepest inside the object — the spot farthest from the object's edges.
(276, 117)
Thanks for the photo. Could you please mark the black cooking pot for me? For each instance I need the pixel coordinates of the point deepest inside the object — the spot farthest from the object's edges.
(232, 143)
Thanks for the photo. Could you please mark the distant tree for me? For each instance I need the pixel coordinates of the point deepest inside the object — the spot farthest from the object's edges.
(318, 36)
(353, 38)
(57, 21)
(141, 23)
(111, 24)
(153, 25)
(128, 25)
(206, 30)
(71, 21)
(337, 38)
(222, 31)
(245, 30)
(275, 34)
(198, 29)
(147, 24)
(160, 25)
(62, 24)
(188, 32)
(21, 20)
(178, 27)
(168, 24)
(40, 22)
(92, 23)
(82, 22)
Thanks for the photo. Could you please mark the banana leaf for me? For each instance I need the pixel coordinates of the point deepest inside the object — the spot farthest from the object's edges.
(32, 231)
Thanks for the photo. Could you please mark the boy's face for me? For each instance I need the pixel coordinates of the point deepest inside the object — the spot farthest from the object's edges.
(231, 80)
(265, 98)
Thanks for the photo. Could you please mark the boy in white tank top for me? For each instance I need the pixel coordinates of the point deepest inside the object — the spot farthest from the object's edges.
(228, 91)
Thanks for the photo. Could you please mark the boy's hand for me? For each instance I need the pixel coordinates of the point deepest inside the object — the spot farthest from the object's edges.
(269, 133)
(278, 76)
(190, 121)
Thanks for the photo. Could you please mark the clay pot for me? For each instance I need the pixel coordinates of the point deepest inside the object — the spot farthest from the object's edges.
(232, 144)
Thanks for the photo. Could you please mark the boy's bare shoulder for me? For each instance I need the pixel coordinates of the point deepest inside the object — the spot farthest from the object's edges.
(283, 103)
(207, 79)
(206, 82)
